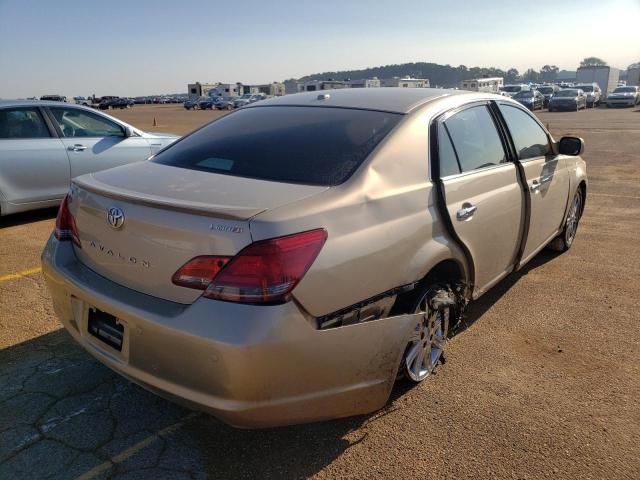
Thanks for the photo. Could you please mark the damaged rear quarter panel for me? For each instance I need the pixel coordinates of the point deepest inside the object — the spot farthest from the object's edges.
(383, 227)
(338, 372)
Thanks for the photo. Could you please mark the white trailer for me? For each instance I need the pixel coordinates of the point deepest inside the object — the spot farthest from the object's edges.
(606, 77)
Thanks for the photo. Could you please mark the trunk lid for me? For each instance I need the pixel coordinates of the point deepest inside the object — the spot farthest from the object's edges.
(171, 215)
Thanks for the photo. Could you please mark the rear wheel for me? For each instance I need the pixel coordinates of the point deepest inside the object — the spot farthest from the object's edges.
(425, 349)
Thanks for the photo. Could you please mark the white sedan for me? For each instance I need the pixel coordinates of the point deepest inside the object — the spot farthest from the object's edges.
(43, 145)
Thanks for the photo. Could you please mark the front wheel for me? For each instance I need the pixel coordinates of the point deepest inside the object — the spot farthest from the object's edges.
(425, 349)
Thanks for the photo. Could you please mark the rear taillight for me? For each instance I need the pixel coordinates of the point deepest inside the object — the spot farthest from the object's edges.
(263, 272)
(200, 271)
(66, 225)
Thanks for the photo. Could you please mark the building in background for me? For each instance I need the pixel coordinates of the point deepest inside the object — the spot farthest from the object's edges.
(365, 83)
(633, 76)
(606, 77)
(200, 89)
(405, 82)
(489, 84)
(276, 89)
(314, 85)
(291, 86)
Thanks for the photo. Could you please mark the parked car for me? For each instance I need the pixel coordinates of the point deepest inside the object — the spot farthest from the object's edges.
(593, 93)
(191, 104)
(208, 103)
(225, 103)
(53, 98)
(568, 99)
(511, 90)
(45, 144)
(249, 269)
(247, 99)
(532, 99)
(547, 92)
(624, 97)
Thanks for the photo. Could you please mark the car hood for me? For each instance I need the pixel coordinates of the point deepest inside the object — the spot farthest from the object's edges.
(160, 135)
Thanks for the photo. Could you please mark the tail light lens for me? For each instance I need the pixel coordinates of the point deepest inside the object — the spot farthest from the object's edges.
(263, 272)
(200, 271)
(66, 225)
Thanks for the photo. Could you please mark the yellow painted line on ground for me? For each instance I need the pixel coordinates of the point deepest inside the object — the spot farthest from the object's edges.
(132, 450)
(15, 276)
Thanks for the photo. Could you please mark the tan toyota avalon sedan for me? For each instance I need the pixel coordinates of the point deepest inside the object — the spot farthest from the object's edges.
(289, 261)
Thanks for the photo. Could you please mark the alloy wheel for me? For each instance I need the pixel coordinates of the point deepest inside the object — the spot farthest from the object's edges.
(427, 342)
(572, 219)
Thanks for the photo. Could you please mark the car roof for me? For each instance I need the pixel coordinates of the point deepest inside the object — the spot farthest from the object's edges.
(388, 99)
(30, 103)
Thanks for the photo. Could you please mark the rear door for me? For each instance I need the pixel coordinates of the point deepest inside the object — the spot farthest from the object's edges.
(546, 174)
(33, 163)
(95, 142)
(481, 191)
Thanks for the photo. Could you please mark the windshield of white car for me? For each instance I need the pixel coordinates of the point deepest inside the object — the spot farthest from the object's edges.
(524, 94)
(625, 90)
(304, 145)
(567, 93)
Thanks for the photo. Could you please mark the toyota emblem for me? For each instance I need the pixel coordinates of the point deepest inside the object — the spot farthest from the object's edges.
(115, 217)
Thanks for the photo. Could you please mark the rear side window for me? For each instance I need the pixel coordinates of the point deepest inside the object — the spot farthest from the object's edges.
(306, 145)
(446, 154)
(530, 139)
(475, 139)
(21, 123)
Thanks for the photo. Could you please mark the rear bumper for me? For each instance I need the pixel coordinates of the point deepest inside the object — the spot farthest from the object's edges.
(250, 366)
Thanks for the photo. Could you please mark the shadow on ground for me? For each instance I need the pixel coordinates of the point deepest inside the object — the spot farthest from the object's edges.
(63, 414)
(28, 217)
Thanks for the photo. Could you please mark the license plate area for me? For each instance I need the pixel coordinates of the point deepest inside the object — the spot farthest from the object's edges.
(106, 328)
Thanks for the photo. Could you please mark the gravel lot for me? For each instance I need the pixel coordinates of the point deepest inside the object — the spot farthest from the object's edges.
(544, 382)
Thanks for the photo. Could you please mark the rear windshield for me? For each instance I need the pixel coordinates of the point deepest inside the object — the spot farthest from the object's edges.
(545, 90)
(566, 93)
(586, 88)
(307, 145)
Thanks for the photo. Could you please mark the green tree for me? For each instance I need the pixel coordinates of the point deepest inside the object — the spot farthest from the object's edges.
(549, 73)
(512, 76)
(593, 62)
(531, 76)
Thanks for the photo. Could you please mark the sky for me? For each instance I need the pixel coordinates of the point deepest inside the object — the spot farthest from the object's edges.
(144, 47)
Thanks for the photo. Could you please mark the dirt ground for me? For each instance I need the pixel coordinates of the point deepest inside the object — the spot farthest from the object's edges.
(544, 382)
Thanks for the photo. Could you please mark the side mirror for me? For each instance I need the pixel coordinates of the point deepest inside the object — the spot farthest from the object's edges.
(128, 132)
(573, 146)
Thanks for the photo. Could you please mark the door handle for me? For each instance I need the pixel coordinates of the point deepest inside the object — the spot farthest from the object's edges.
(76, 148)
(535, 186)
(466, 211)
(545, 179)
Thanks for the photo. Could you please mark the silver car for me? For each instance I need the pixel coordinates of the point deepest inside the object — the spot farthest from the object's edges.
(43, 145)
(287, 262)
(624, 97)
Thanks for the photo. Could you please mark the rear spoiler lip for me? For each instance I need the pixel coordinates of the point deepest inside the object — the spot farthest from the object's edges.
(89, 183)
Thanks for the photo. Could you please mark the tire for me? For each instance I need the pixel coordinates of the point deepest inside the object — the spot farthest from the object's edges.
(563, 242)
(425, 348)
